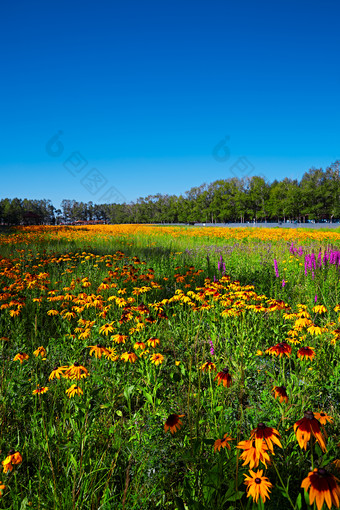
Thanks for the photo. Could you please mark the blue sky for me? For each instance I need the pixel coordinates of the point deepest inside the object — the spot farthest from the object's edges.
(126, 99)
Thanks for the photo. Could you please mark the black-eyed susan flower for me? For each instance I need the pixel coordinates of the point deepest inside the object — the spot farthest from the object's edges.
(111, 354)
(21, 356)
(224, 377)
(153, 342)
(157, 358)
(74, 390)
(267, 434)
(319, 309)
(40, 390)
(222, 443)
(280, 349)
(281, 393)
(252, 455)
(106, 329)
(57, 372)
(305, 427)
(257, 485)
(11, 460)
(323, 488)
(52, 312)
(76, 371)
(323, 418)
(129, 356)
(208, 366)
(119, 339)
(173, 423)
(139, 345)
(41, 351)
(306, 352)
(98, 350)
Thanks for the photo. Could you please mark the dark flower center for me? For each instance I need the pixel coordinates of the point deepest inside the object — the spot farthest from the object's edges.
(225, 370)
(99, 346)
(258, 480)
(11, 452)
(76, 364)
(322, 472)
(261, 426)
(309, 415)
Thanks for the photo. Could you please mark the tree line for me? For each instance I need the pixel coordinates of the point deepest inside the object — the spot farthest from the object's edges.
(315, 197)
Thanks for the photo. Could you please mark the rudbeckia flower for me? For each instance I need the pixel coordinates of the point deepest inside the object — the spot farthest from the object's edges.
(268, 434)
(173, 423)
(306, 352)
(222, 443)
(323, 488)
(57, 372)
(157, 359)
(129, 356)
(76, 371)
(139, 345)
(40, 390)
(98, 350)
(224, 377)
(20, 357)
(305, 427)
(280, 391)
(152, 342)
(252, 455)
(74, 390)
(119, 339)
(11, 460)
(280, 349)
(257, 485)
(319, 309)
(208, 366)
(40, 351)
(106, 329)
(323, 418)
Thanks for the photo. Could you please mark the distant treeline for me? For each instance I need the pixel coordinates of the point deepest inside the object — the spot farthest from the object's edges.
(315, 197)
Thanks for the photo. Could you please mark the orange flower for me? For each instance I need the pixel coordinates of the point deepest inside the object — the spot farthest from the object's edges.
(305, 427)
(157, 359)
(208, 366)
(119, 339)
(280, 391)
(11, 460)
(173, 423)
(268, 434)
(224, 377)
(222, 443)
(280, 349)
(257, 485)
(20, 357)
(40, 390)
(41, 350)
(323, 488)
(98, 350)
(323, 418)
(153, 342)
(139, 345)
(306, 352)
(76, 371)
(252, 455)
(129, 356)
(57, 372)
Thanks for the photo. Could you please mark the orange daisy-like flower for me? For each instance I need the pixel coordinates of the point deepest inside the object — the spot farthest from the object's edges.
(57, 372)
(280, 349)
(323, 418)
(153, 342)
(222, 443)
(76, 371)
(119, 339)
(11, 460)
(323, 488)
(224, 377)
(21, 356)
(98, 350)
(129, 356)
(106, 329)
(306, 352)
(280, 392)
(267, 434)
(252, 455)
(40, 390)
(257, 485)
(40, 351)
(305, 427)
(173, 423)
(319, 309)
(139, 345)
(74, 390)
(157, 358)
(2, 488)
(208, 366)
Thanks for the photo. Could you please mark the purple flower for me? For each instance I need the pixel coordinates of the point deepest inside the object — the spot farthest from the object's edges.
(276, 269)
(283, 283)
(212, 350)
(316, 298)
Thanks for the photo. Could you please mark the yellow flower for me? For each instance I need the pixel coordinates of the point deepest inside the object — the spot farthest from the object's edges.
(41, 350)
(76, 371)
(257, 485)
(157, 359)
(106, 329)
(74, 390)
(57, 372)
(129, 356)
(40, 390)
(20, 357)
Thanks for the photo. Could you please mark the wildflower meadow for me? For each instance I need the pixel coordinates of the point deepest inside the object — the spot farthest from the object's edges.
(187, 368)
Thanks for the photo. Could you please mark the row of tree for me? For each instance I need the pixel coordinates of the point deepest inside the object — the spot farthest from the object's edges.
(315, 197)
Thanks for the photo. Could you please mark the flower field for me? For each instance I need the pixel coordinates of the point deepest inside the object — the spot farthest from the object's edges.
(179, 368)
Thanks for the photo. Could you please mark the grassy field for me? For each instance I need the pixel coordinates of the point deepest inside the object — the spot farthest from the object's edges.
(179, 368)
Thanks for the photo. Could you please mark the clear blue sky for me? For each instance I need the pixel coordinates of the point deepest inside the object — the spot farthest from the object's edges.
(144, 91)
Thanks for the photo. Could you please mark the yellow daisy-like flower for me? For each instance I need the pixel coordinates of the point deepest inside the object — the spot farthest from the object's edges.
(320, 309)
(139, 345)
(74, 390)
(76, 371)
(40, 390)
(323, 488)
(52, 312)
(152, 342)
(257, 485)
(98, 350)
(57, 372)
(40, 351)
(129, 356)
(21, 356)
(106, 329)
(157, 359)
(208, 366)
(222, 443)
(119, 339)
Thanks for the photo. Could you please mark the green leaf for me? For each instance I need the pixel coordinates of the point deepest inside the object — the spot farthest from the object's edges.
(298, 504)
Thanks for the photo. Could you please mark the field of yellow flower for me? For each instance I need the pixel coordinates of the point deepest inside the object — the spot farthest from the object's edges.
(167, 367)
